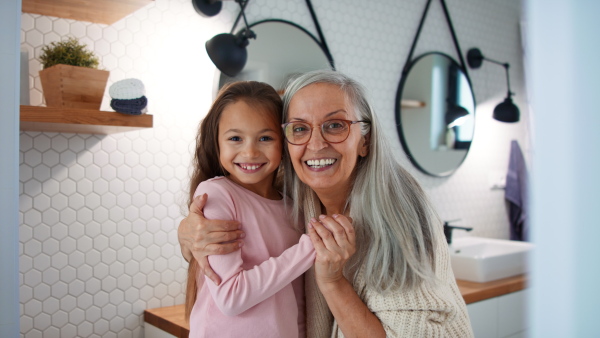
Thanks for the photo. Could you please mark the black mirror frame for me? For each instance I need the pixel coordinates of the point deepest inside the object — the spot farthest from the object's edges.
(321, 45)
(398, 110)
(410, 62)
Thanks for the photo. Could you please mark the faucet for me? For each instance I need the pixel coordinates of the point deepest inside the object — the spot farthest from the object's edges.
(448, 229)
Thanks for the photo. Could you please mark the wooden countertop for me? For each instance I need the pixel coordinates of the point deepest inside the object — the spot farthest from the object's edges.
(171, 318)
(474, 292)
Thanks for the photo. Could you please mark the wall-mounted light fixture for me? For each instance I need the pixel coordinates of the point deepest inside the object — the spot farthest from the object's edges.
(505, 111)
(226, 50)
(455, 115)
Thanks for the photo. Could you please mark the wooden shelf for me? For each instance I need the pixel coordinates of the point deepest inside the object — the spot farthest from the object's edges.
(412, 104)
(84, 121)
(97, 11)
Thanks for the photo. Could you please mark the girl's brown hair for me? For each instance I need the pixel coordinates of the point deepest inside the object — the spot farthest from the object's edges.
(206, 162)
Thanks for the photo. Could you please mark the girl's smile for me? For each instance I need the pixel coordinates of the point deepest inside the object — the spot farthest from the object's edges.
(250, 167)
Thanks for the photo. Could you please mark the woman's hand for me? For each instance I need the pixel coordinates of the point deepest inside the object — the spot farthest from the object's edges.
(335, 242)
(200, 237)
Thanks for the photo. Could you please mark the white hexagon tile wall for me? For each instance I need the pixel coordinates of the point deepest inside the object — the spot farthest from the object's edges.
(99, 214)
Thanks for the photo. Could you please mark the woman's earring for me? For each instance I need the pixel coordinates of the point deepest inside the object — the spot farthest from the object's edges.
(363, 152)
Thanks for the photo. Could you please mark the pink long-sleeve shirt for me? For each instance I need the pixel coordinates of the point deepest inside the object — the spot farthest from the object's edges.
(261, 292)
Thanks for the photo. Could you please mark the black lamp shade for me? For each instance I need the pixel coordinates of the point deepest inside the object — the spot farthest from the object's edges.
(207, 8)
(454, 113)
(228, 52)
(507, 111)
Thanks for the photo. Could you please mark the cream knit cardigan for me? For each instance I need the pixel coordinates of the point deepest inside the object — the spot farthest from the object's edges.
(438, 311)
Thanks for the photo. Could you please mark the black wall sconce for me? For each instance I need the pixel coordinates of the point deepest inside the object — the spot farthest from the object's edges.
(226, 50)
(505, 111)
(455, 115)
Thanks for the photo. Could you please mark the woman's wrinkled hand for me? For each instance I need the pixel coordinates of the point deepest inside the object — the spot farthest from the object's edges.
(200, 237)
(335, 242)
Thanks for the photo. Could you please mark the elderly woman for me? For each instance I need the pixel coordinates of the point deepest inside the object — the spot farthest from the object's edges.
(382, 265)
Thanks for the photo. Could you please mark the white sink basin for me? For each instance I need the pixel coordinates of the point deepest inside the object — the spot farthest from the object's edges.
(482, 260)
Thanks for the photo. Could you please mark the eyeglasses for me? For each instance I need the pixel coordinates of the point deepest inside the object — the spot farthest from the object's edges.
(333, 131)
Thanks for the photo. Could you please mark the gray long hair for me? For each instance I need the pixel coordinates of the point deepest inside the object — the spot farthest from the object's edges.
(394, 221)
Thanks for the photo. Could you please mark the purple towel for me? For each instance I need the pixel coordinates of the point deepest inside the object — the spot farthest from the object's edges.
(130, 107)
(516, 194)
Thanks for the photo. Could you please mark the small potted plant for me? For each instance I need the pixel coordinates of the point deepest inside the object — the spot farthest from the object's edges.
(70, 78)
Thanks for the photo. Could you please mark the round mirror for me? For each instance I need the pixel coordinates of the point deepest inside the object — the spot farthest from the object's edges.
(435, 114)
(280, 51)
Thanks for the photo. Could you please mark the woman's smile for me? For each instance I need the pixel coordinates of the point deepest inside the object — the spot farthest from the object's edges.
(320, 164)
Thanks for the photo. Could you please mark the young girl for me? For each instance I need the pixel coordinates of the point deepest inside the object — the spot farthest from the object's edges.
(238, 151)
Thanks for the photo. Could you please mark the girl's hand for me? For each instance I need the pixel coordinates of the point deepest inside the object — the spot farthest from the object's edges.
(200, 237)
(335, 242)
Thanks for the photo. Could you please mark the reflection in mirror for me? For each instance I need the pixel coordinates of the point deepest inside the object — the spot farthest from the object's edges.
(435, 114)
(281, 51)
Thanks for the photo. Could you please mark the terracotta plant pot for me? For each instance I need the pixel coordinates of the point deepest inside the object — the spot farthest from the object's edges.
(73, 87)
